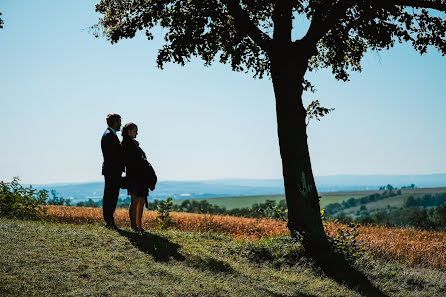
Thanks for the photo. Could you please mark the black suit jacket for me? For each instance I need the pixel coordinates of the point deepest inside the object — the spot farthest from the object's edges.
(112, 152)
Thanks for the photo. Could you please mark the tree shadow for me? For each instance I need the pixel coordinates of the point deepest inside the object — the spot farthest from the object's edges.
(161, 249)
(298, 294)
(342, 271)
(210, 264)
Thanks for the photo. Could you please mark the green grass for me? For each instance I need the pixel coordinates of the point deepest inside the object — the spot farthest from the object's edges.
(51, 259)
(328, 199)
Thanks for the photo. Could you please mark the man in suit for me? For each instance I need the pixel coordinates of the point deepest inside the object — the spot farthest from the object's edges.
(112, 168)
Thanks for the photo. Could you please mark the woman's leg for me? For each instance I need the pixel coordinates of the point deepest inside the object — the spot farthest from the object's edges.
(132, 211)
(139, 211)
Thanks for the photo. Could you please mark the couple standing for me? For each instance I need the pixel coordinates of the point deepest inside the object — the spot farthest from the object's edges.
(129, 157)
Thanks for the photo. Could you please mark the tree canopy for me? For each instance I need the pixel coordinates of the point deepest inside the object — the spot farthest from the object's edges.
(242, 32)
(256, 36)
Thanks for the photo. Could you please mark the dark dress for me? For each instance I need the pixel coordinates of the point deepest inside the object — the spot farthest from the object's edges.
(135, 162)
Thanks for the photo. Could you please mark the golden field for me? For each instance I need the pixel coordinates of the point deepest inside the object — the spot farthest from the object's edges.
(408, 245)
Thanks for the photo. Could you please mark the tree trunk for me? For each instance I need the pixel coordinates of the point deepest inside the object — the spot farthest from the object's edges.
(300, 189)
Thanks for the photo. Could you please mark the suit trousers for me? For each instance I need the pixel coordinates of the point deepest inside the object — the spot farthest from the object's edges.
(111, 194)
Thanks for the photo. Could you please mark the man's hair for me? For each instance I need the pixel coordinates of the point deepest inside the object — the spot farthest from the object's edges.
(112, 117)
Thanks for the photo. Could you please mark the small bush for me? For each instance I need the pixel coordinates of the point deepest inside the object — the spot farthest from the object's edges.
(346, 242)
(19, 202)
(164, 219)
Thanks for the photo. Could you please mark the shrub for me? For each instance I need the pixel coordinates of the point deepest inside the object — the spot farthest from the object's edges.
(20, 202)
(346, 242)
(164, 219)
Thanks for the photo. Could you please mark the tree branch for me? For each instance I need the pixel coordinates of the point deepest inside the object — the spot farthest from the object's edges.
(320, 25)
(282, 18)
(245, 26)
(439, 5)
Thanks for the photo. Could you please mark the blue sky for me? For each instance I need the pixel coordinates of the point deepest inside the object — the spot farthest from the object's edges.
(57, 83)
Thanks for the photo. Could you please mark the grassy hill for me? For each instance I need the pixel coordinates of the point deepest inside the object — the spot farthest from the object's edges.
(326, 198)
(54, 259)
(397, 201)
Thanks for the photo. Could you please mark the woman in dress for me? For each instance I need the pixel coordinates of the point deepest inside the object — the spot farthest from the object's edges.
(135, 162)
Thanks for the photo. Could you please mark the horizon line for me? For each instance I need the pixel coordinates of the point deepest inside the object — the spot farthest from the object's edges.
(239, 178)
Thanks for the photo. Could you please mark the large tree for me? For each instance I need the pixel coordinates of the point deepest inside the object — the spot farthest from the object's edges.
(256, 35)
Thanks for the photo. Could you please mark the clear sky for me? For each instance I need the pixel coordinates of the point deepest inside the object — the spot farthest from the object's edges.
(58, 82)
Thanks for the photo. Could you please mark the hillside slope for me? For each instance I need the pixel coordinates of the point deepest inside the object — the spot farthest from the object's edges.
(405, 245)
(54, 259)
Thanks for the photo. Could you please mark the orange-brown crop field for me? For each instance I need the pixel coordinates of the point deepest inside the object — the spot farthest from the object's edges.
(408, 245)
(245, 228)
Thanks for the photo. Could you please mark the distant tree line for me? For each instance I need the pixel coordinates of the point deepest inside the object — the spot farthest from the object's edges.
(334, 208)
(89, 203)
(390, 187)
(269, 208)
(412, 186)
(427, 200)
(58, 200)
(426, 212)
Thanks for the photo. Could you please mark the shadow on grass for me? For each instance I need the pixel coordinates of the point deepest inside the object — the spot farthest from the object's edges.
(341, 271)
(211, 264)
(275, 294)
(161, 249)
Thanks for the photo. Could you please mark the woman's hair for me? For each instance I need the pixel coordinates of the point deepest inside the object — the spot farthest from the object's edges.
(127, 128)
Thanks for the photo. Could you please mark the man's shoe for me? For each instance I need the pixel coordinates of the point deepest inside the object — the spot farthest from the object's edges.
(112, 226)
